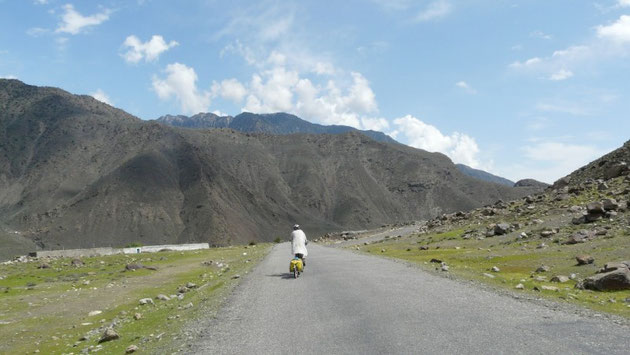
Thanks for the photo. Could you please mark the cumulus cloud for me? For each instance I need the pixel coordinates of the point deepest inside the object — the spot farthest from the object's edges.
(548, 160)
(461, 148)
(464, 85)
(74, 23)
(181, 84)
(435, 10)
(9, 76)
(101, 96)
(230, 89)
(619, 31)
(149, 50)
(623, 3)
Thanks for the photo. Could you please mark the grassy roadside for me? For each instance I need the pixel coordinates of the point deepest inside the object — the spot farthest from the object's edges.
(47, 310)
(517, 262)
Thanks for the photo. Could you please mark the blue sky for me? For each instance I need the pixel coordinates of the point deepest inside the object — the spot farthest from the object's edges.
(518, 88)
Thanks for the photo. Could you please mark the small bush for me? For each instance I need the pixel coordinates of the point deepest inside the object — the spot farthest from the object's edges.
(277, 240)
(252, 243)
(133, 245)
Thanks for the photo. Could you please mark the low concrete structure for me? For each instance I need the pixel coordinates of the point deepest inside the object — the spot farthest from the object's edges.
(156, 248)
(73, 253)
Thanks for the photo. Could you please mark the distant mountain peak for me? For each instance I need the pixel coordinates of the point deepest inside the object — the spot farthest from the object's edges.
(274, 123)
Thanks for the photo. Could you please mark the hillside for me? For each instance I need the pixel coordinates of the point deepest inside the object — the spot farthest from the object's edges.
(75, 172)
(569, 243)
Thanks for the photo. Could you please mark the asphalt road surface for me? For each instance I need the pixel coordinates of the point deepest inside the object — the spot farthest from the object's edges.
(347, 303)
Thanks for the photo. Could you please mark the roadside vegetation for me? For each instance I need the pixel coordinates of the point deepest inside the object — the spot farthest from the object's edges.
(531, 246)
(67, 305)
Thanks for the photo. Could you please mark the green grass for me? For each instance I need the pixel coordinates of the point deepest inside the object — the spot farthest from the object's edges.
(517, 261)
(49, 316)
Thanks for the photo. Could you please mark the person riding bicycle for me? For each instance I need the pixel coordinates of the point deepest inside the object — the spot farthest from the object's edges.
(298, 244)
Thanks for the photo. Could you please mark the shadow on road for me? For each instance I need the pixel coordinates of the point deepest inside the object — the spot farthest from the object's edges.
(285, 276)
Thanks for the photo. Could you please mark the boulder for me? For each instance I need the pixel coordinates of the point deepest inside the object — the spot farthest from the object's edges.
(134, 267)
(144, 301)
(77, 262)
(543, 268)
(615, 266)
(162, 297)
(560, 278)
(595, 207)
(502, 228)
(616, 170)
(584, 259)
(547, 233)
(424, 247)
(610, 204)
(580, 236)
(110, 334)
(560, 183)
(609, 281)
(495, 269)
(131, 349)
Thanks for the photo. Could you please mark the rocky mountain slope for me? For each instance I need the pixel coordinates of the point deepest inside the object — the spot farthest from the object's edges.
(75, 172)
(284, 123)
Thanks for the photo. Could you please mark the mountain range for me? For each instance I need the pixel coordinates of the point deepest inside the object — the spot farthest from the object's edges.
(75, 172)
(284, 123)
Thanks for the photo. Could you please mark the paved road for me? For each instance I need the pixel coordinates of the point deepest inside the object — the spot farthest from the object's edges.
(403, 231)
(346, 303)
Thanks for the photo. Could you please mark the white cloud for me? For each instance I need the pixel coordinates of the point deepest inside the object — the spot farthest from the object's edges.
(461, 148)
(40, 2)
(562, 74)
(528, 63)
(623, 3)
(74, 23)
(9, 76)
(464, 85)
(149, 50)
(619, 31)
(181, 84)
(101, 96)
(230, 89)
(548, 160)
(435, 10)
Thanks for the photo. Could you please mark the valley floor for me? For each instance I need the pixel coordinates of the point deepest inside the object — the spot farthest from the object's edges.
(355, 303)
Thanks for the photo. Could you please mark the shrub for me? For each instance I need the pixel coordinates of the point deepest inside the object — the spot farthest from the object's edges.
(252, 243)
(277, 240)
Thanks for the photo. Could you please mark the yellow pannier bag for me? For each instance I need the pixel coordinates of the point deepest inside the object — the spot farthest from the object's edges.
(296, 263)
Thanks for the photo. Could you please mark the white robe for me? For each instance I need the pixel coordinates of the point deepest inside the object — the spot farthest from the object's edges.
(298, 242)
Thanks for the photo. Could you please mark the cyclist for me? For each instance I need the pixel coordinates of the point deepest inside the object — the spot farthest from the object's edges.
(298, 244)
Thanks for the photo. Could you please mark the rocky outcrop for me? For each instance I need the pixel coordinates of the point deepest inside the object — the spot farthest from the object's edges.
(612, 277)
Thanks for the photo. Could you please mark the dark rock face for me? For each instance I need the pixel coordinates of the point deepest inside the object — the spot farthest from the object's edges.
(75, 172)
(609, 281)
